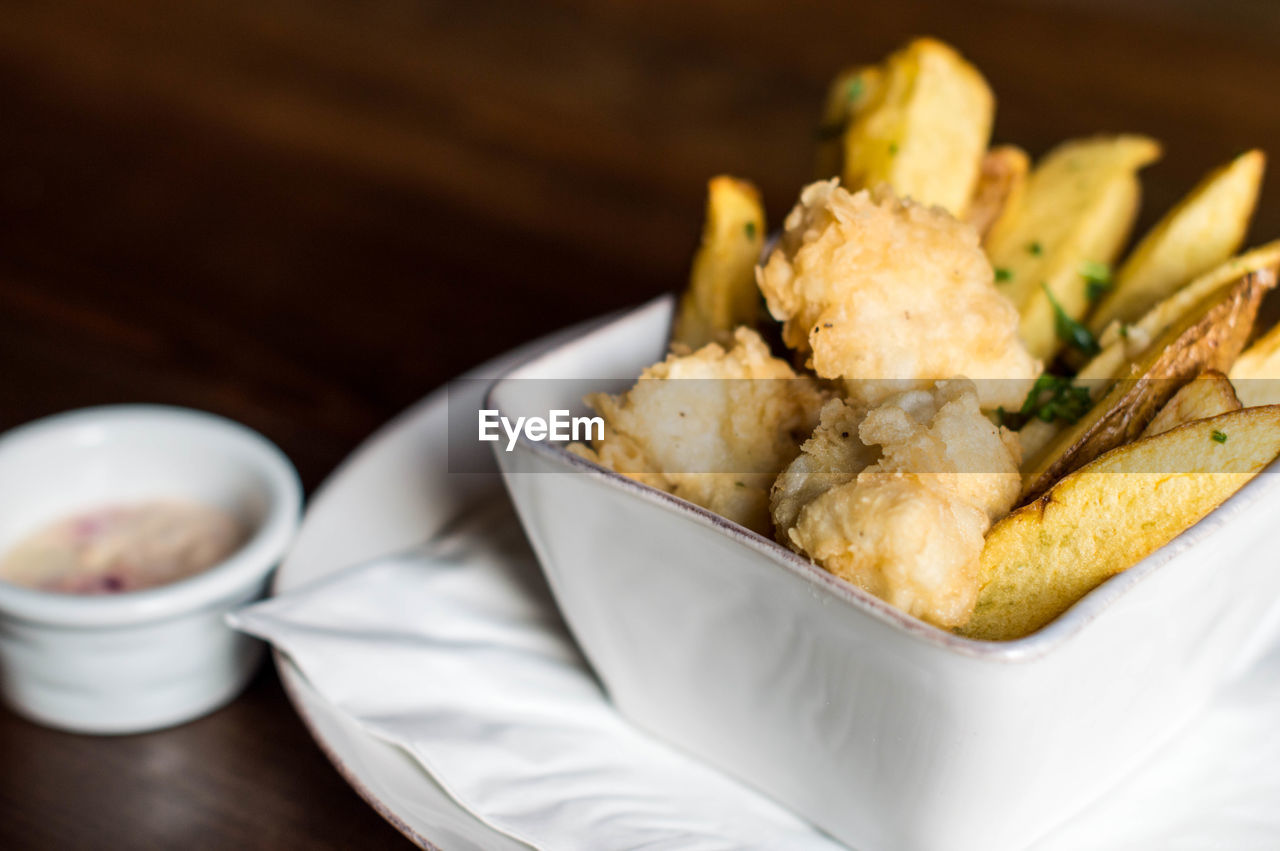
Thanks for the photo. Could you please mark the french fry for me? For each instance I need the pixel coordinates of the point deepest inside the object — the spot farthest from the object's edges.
(924, 130)
(1002, 179)
(1209, 336)
(1106, 517)
(722, 291)
(1204, 229)
(1077, 209)
(1209, 395)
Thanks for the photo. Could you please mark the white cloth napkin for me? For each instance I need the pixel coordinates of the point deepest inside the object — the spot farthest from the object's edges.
(456, 654)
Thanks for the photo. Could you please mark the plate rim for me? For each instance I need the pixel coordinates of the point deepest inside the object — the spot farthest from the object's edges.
(291, 679)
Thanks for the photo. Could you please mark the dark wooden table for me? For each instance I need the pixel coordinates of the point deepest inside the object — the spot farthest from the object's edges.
(306, 215)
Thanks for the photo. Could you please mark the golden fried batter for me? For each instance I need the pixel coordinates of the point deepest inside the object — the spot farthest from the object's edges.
(871, 287)
(714, 427)
(897, 501)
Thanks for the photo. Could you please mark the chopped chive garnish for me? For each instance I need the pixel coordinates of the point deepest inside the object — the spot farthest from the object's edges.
(1097, 278)
(1052, 397)
(751, 230)
(1036, 248)
(1219, 436)
(1069, 330)
(1003, 274)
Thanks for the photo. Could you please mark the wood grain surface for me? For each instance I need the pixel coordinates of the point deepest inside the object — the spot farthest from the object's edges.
(306, 215)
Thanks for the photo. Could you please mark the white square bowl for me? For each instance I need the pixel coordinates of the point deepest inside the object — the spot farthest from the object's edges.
(882, 730)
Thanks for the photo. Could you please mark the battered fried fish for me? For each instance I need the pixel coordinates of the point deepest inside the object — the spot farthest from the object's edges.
(873, 287)
(714, 427)
(897, 499)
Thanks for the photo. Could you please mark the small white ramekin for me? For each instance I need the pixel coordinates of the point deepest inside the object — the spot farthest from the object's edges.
(148, 659)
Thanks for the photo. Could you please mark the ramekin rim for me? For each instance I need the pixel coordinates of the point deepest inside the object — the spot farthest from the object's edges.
(248, 565)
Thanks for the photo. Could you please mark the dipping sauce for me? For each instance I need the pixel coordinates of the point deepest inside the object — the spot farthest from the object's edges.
(124, 548)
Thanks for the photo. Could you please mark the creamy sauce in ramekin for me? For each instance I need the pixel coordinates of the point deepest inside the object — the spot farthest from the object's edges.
(124, 548)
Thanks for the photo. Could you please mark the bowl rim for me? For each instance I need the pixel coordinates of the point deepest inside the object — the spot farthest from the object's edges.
(250, 563)
(1038, 644)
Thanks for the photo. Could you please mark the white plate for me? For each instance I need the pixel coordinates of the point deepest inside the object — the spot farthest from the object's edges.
(1217, 787)
(392, 492)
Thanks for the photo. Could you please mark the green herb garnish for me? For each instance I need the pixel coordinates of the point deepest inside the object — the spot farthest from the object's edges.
(893, 149)
(1219, 436)
(1097, 278)
(751, 230)
(1003, 274)
(1069, 330)
(854, 92)
(1036, 248)
(1053, 397)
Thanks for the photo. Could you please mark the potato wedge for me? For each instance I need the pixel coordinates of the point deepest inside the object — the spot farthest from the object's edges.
(849, 93)
(1256, 373)
(1002, 179)
(1077, 209)
(1121, 337)
(1038, 561)
(926, 129)
(1204, 229)
(722, 291)
(1209, 395)
(1124, 343)
(1210, 336)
